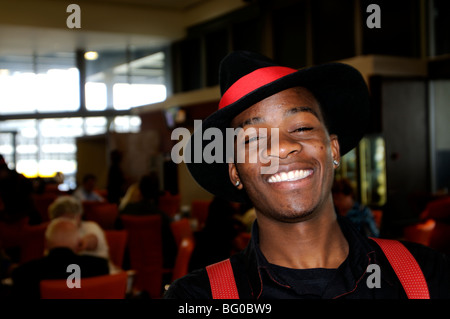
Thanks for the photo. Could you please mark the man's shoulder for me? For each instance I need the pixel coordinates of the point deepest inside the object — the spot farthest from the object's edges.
(428, 258)
(435, 267)
(194, 285)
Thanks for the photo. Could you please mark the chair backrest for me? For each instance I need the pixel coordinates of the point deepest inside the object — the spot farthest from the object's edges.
(185, 249)
(377, 216)
(32, 242)
(112, 286)
(117, 242)
(145, 249)
(199, 211)
(419, 233)
(440, 238)
(438, 209)
(11, 233)
(181, 228)
(42, 203)
(104, 214)
(169, 204)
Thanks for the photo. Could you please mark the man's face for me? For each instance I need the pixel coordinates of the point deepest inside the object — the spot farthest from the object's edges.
(302, 184)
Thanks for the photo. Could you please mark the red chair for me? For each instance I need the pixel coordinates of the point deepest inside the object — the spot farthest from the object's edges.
(184, 254)
(117, 242)
(100, 287)
(419, 233)
(11, 233)
(145, 249)
(104, 214)
(438, 209)
(169, 204)
(181, 229)
(42, 202)
(377, 216)
(440, 238)
(33, 242)
(199, 211)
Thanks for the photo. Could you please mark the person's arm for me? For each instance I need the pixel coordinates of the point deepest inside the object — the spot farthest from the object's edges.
(88, 242)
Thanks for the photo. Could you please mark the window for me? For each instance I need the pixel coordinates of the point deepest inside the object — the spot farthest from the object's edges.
(47, 146)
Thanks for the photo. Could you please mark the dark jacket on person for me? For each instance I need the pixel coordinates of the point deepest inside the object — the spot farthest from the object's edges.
(26, 278)
(256, 278)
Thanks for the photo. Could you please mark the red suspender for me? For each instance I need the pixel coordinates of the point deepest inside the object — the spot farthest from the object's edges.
(221, 278)
(406, 268)
(223, 285)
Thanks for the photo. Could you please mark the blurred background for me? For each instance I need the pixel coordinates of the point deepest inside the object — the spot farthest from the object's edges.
(137, 69)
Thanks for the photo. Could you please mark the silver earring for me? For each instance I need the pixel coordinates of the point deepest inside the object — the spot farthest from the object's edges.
(336, 163)
(237, 183)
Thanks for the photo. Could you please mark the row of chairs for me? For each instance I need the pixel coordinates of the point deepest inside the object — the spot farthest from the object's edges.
(105, 214)
(144, 243)
(142, 236)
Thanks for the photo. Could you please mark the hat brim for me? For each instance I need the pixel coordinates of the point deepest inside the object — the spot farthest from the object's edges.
(344, 101)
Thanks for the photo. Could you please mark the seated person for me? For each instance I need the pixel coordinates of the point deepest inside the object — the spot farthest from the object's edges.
(92, 237)
(220, 236)
(63, 244)
(346, 205)
(148, 205)
(86, 192)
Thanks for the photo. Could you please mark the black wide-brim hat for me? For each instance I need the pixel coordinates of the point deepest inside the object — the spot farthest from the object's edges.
(247, 78)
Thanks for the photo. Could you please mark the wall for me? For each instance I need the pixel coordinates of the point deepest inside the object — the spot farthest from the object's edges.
(441, 117)
(405, 129)
(92, 158)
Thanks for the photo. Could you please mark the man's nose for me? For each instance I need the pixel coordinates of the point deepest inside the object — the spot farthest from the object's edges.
(283, 146)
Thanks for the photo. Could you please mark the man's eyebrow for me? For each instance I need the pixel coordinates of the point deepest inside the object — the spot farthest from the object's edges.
(292, 111)
(251, 121)
(301, 109)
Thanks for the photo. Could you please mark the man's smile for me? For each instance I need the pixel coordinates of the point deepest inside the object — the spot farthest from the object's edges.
(290, 176)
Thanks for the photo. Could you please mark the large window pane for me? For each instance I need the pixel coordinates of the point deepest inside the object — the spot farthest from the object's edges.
(30, 84)
(127, 96)
(123, 79)
(96, 99)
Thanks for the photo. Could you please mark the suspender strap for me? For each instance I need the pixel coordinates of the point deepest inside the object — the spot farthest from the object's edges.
(221, 278)
(406, 267)
(223, 285)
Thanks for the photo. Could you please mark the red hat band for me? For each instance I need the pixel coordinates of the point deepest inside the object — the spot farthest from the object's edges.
(253, 81)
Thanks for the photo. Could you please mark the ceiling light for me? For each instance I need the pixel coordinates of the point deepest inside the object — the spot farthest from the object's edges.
(91, 55)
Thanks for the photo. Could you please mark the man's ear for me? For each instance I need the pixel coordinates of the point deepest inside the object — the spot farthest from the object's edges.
(234, 175)
(335, 149)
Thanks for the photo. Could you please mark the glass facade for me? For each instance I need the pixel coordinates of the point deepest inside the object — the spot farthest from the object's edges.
(34, 88)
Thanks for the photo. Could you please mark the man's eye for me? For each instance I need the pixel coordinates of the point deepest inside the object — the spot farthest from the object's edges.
(303, 129)
(252, 139)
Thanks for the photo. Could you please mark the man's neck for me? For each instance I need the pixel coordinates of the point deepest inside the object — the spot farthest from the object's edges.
(314, 243)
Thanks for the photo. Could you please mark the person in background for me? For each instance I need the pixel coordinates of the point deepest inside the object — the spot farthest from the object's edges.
(86, 192)
(116, 179)
(63, 243)
(16, 196)
(218, 239)
(92, 237)
(148, 205)
(346, 205)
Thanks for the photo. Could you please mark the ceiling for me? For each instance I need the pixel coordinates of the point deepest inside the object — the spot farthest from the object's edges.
(165, 4)
(39, 27)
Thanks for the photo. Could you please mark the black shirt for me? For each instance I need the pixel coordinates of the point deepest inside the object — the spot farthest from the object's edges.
(257, 279)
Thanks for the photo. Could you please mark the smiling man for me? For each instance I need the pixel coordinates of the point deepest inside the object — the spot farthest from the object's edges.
(299, 247)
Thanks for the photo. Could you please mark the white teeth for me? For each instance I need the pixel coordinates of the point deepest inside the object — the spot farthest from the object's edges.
(289, 176)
